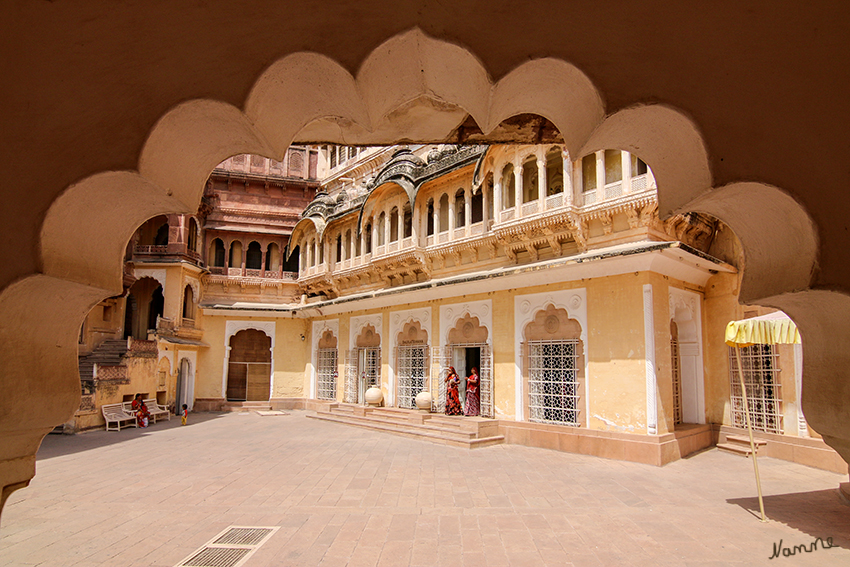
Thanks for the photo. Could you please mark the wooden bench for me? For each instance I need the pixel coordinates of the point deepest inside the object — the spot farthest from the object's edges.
(154, 409)
(115, 413)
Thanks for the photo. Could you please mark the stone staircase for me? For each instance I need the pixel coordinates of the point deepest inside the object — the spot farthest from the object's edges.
(740, 445)
(108, 353)
(246, 406)
(457, 431)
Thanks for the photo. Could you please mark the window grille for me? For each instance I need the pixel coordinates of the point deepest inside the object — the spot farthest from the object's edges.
(363, 370)
(677, 381)
(411, 365)
(351, 374)
(326, 373)
(760, 365)
(552, 371)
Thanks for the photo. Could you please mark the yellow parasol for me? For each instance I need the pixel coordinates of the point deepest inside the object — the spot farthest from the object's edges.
(771, 329)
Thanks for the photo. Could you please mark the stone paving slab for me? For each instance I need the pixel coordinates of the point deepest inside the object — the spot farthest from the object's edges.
(344, 496)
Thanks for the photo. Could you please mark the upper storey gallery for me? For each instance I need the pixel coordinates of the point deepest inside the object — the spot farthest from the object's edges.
(397, 215)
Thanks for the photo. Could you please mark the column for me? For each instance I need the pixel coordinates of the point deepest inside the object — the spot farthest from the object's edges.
(226, 258)
(451, 217)
(485, 206)
(387, 223)
(362, 242)
(568, 178)
(467, 209)
(626, 158)
(244, 256)
(497, 200)
(649, 350)
(415, 227)
(600, 175)
(374, 234)
(517, 190)
(541, 184)
(262, 260)
(353, 248)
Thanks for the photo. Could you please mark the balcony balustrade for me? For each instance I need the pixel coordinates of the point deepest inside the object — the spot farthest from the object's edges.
(459, 233)
(589, 197)
(392, 246)
(430, 240)
(554, 201)
(444, 237)
(639, 183)
(477, 228)
(614, 190)
(407, 242)
(507, 214)
(150, 249)
(529, 208)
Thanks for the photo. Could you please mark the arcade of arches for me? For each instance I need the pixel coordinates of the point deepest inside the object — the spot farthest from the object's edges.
(719, 147)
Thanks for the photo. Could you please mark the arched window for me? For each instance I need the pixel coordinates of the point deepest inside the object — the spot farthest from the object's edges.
(382, 220)
(394, 224)
(554, 172)
(235, 254)
(272, 257)
(638, 166)
(529, 180)
(429, 222)
(216, 256)
(408, 222)
(368, 236)
(192, 240)
(346, 253)
(254, 256)
(588, 173)
(339, 248)
(477, 205)
(161, 238)
(444, 213)
(188, 303)
(293, 263)
(460, 208)
(508, 187)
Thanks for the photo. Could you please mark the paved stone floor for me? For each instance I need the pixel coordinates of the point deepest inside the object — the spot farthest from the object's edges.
(347, 496)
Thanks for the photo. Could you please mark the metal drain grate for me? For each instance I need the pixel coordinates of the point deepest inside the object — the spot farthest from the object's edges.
(230, 548)
(243, 536)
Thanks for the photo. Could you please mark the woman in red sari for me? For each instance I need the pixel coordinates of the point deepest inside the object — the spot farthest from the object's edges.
(141, 410)
(452, 397)
(473, 401)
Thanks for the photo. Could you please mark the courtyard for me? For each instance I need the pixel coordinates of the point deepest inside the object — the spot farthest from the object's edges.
(345, 496)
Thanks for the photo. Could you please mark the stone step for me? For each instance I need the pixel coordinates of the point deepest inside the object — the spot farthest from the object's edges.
(745, 440)
(246, 406)
(736, 449)
(404, 423)
(412, 430)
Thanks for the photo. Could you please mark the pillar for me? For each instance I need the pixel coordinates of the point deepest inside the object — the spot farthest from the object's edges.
(437, 227)
(600, 175)
(569, 197)
(497, 200)
(541, 183)
(485, 206)
(518, 190)
(451, 217)
(387, 223)
(467, 209)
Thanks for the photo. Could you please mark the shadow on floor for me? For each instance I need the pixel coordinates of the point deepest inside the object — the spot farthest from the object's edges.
(56, 445)
(820, 513)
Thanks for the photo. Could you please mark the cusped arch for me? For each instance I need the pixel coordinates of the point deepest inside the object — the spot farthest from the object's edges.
(383, 191)
(376, 107)
(302, 229)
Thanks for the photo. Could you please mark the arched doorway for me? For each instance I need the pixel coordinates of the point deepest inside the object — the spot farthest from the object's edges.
(466, 347)
(553, 368)
(184, 393)
(686, 358)
(249, 367)
(326, 366)
(363, 365)
(145, 303)
(411, 363)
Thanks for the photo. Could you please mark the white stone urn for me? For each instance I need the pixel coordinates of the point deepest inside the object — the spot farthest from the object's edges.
(373, 396)
(423, 401)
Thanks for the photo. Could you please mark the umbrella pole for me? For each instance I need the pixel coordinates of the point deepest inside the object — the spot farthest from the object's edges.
(750, 430)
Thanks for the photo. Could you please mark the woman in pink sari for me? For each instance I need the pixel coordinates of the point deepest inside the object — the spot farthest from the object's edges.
(473, 401)
(453, 406)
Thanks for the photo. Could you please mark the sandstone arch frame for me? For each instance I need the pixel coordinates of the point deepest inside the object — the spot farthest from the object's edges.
(63, 273)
